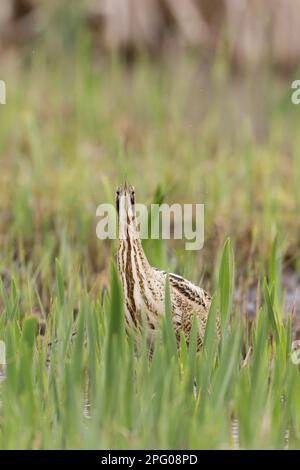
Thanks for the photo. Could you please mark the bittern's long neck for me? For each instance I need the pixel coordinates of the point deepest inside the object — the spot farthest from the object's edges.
(132, 262)
(131, 256)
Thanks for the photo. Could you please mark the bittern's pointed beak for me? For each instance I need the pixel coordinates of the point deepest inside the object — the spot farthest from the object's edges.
(125, 185)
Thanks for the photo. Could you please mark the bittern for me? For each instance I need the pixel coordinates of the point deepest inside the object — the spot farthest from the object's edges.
(144, 285)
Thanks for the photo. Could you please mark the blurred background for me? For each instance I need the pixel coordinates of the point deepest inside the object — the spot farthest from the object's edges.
(191, 99)
(252, 32)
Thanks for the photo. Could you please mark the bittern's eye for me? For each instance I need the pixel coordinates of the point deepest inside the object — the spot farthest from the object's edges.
(132, 196)
(118, 192)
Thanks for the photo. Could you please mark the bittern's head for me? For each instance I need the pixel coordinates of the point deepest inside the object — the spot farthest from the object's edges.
(125, 197)
(125, 205)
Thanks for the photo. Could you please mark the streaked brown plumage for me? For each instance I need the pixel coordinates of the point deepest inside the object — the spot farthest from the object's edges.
(144, 286)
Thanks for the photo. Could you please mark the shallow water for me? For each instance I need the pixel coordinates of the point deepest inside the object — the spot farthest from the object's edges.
(235, 433)
(248, 300)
